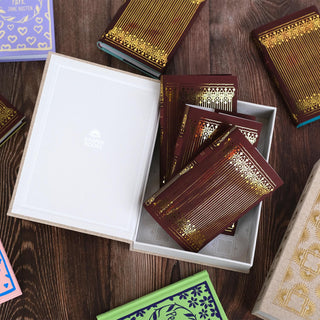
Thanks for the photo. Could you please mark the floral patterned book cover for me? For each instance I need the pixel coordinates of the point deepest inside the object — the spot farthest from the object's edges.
(193, 298)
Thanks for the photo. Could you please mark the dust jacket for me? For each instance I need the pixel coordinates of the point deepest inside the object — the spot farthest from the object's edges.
(146, 33)
(218, 92)
(10, 120)
(189, 299)
(26, 30)
(9, 286)
(219, 186)
(199, 128)
(290, 50)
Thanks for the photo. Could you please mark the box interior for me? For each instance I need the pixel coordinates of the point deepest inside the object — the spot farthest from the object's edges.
(230, 252)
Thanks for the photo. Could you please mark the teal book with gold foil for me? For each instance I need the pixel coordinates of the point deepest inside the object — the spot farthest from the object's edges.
(192, 298)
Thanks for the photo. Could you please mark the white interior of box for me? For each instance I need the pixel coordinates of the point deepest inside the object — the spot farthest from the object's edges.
(225, 251)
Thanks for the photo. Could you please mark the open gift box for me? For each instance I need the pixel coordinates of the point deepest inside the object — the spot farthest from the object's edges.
(87, 158)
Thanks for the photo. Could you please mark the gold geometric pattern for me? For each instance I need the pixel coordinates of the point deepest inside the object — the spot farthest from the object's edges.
(299, 291)
(290, 31)
(6, 114)
(250, 172)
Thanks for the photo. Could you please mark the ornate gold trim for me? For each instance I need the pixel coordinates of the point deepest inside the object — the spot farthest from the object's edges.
(6, 114)
(290, 31)
(139, 46)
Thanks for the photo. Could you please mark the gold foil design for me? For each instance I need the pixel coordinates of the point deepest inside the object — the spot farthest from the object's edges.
(296, 300)
(139, 46)
(251, 135)
(219, 97)
(294, 50)
(300, 287)
(205, 129)
(190, 234)
(148, 30)
(250, 172)
(6, 114)
(290, 31)
(187, 168)
(309, 104)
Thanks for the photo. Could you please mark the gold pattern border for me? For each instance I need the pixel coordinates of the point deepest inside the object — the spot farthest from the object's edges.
(291, 31)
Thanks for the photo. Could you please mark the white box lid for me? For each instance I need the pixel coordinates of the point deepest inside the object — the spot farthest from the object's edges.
(89, 149)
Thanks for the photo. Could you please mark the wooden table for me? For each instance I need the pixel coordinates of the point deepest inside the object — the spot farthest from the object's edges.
(69, 275)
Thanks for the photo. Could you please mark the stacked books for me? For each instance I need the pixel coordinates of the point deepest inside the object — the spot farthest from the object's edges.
(10, 120)
(215, 174)
(290, 51)
(9, 287)
(26, 30)
(188, 299)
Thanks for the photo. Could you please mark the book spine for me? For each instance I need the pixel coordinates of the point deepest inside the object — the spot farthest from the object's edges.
(176, 165)
(264, 289)
(162, 132)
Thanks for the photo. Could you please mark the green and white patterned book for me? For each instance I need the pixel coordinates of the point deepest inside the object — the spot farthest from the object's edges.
(193, 298)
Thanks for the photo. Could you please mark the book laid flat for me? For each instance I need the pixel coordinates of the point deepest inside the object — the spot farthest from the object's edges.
(10, 120)
(146, 33)
(208, 91)
(220, 185)
(292, 287)
(200, 127)
(88, 176)
(26, 30)
(189, 299)
(290, 50)
(9, 287)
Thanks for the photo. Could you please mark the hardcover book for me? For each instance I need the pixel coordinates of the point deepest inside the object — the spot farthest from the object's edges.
(208, 91)
(220, 185)
(10, 120)
(292, 287)
(146, 33)
(188, 299)
(26, 30)
(9, 287)
(290, 50)
(199, 128)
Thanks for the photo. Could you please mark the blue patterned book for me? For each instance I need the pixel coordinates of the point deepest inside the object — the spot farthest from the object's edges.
(26, 30)
(193, 298)
(9, 287)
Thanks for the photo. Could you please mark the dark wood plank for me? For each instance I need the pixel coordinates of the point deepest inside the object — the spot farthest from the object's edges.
(68, 275)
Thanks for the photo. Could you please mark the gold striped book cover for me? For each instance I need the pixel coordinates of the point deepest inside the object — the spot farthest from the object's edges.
(290, 50)
(145, 33)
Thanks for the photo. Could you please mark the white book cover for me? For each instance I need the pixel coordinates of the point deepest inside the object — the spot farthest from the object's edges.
(89, 149)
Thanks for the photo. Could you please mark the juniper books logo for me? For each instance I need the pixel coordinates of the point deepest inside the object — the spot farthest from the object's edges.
(94, 140)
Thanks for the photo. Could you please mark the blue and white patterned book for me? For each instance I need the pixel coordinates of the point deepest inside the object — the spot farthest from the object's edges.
(26, 30)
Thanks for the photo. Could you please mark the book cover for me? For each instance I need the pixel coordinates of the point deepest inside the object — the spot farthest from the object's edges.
(220, 185)
(9, 287)
(10, 120)
(26, 30)
(200, 127)
(189, 299)
(208, 91)
(292, 286)
(146, 33)
(290, 50)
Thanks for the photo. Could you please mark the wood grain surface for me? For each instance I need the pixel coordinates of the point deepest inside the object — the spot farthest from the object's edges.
(69, 275)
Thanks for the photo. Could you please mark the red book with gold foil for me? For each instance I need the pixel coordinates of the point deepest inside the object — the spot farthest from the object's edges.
(200, 127)
(146, 33)
(10, 119)
(208, 91)
(291, 52)
(220, 185)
